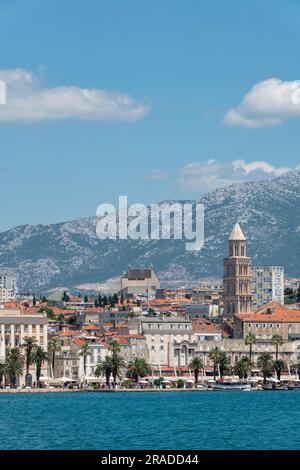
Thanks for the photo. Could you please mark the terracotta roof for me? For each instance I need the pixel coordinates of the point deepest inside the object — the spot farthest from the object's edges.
(68, 333)
(272, 312)
(91, 328)
(79, 342)
(121, 340)
(200, 326)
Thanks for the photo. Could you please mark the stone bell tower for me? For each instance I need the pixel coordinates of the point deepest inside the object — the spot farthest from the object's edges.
(237, 280)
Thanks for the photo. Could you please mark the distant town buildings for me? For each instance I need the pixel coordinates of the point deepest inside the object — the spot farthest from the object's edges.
(272, 319)
(237, 280)
(8, 286)
(15, 326)
(267, 285)
(141, 282)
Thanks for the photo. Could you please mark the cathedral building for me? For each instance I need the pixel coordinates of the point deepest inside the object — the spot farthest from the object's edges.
(237, 281)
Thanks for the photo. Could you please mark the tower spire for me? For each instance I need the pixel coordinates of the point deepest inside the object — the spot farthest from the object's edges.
(237, 234)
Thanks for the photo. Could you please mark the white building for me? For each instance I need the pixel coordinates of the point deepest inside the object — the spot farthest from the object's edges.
(15, 326)
(162, 334)
(267, 285)
(8, 286)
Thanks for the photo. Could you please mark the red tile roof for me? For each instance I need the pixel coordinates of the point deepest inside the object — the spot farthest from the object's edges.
(272, 312)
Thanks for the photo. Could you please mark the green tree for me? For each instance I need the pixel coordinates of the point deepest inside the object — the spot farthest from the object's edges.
(84, 352)
(33, 300)
(278, 366)
(14, 366)
(72, 320)
(214, 356)
(65, 297)
(86, 298)
(224, 364)
(196, 365)
(53, 347)
(265, 362)
(39, 357)
(2, 372)
(28, 346)
(277, 341)
(118, 365)
(104, 368)
(250, 339)
(243, 367)
(137, 368)
(48, 311)
(298, 294)
(114, 347)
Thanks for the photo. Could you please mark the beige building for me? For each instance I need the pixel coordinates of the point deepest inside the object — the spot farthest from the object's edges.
(139, 282)
(267, 321)
(166, 339)
(237, 296)
(236, 349)
(15, 326)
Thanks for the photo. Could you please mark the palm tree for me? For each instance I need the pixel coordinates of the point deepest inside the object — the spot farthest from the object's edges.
(214, 356)
(28, 345)
(243, 367)
(224, 364)
(84, 352)
(279, 365)
(114, 346)
(53, 347)
(2, 371)
(39, 356)
(117, 364)
(138, 368)
(104, 368)
(265, 362)
(250, 339)
(14, 366)
(196, 365)
(277, 341)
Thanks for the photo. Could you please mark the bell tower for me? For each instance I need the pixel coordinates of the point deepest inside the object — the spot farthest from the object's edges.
(237, 280)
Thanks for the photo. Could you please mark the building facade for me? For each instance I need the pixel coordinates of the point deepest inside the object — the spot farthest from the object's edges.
(8, 286)
(267, 285)
(15, 326)
(271, 319)
(237, 295)
(139, 282)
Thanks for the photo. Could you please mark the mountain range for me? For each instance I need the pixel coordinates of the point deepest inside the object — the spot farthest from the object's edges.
(70, 254)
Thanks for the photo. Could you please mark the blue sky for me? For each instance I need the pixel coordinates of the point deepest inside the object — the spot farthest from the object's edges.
(166, 74)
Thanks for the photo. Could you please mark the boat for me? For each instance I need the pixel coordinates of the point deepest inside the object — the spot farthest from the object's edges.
(275, 387)
(231, 385)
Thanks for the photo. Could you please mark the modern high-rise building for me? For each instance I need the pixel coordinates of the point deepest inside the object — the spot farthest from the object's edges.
(8, 286)
(237, 281)
(267, 285)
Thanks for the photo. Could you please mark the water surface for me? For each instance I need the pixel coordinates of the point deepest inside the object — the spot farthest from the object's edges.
(200, 420)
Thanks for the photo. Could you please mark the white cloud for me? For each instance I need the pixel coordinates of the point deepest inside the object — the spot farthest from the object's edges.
(201, 177)
(268, 103)
(155, 175)
(28, 100)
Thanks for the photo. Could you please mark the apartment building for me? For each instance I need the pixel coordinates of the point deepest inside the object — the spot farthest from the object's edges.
(267, 285)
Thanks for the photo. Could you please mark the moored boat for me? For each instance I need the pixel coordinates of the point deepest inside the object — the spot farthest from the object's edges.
(231, 385)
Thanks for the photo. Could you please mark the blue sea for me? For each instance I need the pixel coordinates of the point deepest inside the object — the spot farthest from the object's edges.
(184, 421)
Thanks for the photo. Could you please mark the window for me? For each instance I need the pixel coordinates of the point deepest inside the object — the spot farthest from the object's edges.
(277, 326)
(152, 348)
(162, 348)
